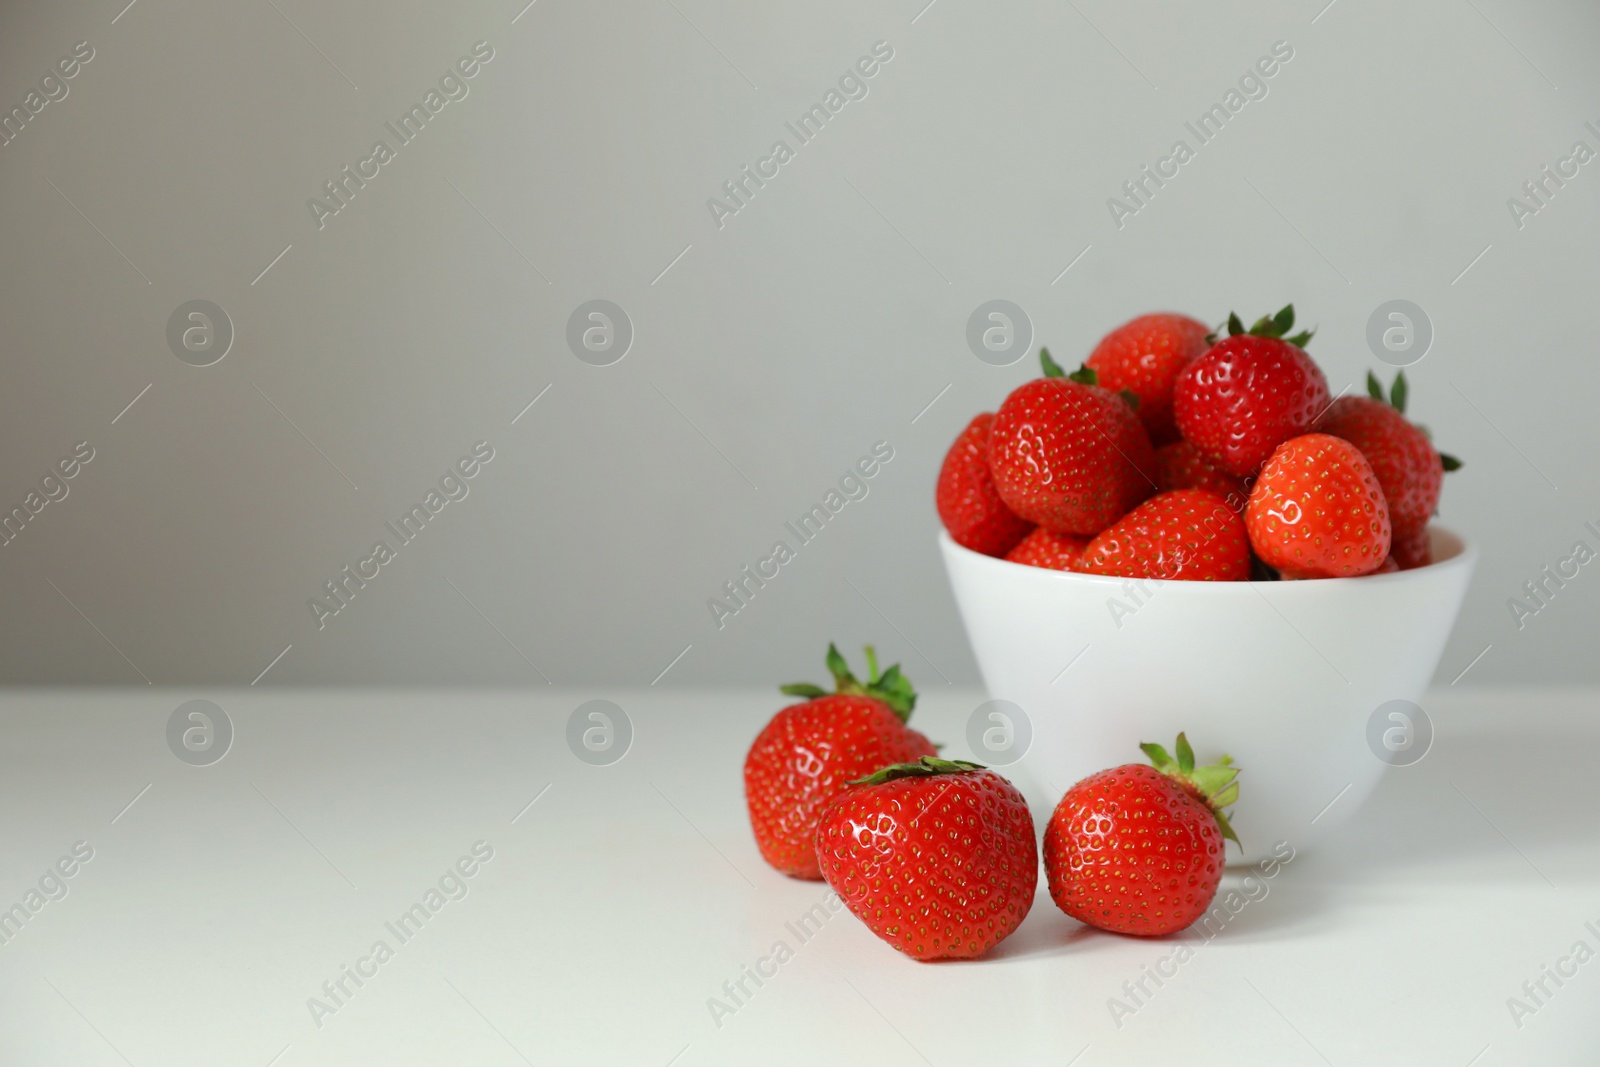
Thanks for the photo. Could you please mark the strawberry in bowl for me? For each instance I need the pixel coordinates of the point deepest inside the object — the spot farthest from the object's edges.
(1145, 356)
(1068, 455)
(1249, 393)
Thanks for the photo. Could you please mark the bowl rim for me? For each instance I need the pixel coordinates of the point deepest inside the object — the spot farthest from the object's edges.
(1463, 555)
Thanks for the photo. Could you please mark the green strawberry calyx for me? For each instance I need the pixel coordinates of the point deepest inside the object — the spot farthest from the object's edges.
(1215, 783)
(891, 687)
(926, 767)
(1084, 375)
(1396, 399)
(1273, 326)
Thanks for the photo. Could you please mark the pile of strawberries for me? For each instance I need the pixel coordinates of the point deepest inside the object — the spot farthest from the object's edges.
(1172, 453)
(938, 857)
(1176, 453)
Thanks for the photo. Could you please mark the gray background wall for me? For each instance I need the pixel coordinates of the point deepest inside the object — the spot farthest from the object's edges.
(825, 316)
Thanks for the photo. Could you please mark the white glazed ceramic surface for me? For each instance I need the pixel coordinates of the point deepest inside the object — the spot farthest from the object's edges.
(1283, 676)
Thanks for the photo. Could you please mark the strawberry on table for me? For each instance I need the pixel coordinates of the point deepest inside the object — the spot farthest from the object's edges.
(1188, 534)
(1317, 510)
(1144, 356)
(1069, 455)
(1409, 469)
(1249, 393)
(1181, 465)
(1041, 548)
(937, 857)
(1139, 849)
(968, 504)
(809, 751)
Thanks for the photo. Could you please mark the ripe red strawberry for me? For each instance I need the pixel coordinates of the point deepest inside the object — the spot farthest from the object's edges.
(1410, 552)
(937, 857)
(1250, 393)
(1389, 564)
(1139, 850)
(1188, 534)
(1144, 357)
(1409, 469)
(1069, 455)
(1041, 548)
(1317, 510)
(1181, 465)
(809, 751)
(968, 505)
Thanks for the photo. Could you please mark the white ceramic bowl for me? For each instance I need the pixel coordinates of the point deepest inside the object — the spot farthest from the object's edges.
(1283, 676)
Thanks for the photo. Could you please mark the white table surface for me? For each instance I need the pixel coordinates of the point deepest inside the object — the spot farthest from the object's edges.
(620, 902)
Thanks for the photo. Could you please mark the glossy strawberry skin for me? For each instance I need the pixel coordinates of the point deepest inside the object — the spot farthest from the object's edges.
(1246, 396)
(1186, 535)
(1145, 357)
(1407, 465)
(1181, 465)
(1041, 548)
(1072, 458)
(968, 504)
(1317, 510)
(942, 867)
(804, 758)
(1133, 851)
